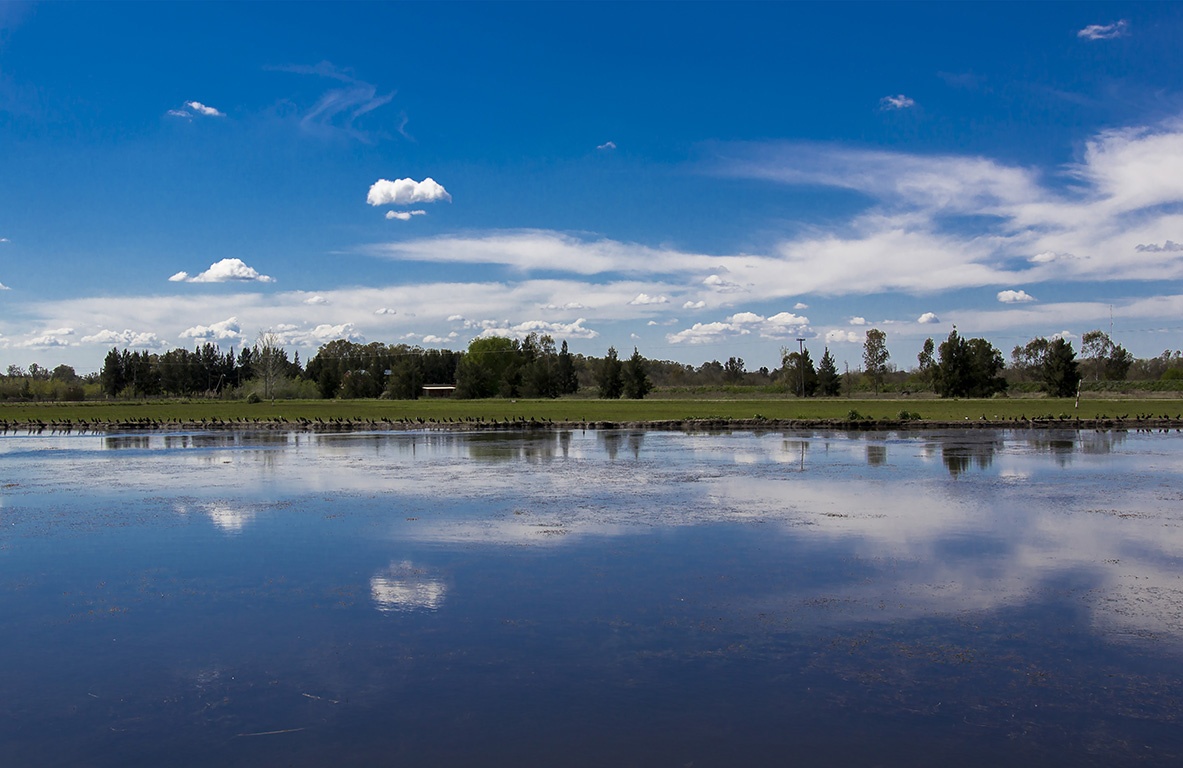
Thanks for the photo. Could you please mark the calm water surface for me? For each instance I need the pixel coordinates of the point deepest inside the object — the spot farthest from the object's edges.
(591, 598)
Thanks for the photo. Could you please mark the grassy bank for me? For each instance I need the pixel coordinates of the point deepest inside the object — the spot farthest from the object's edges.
(568, 410)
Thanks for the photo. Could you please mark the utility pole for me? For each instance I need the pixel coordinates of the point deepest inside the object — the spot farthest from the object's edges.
(801, 366)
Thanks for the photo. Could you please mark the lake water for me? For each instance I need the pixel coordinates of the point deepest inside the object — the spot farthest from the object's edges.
(592, 598)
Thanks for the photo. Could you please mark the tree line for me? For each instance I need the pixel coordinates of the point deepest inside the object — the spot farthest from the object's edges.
(535, 367)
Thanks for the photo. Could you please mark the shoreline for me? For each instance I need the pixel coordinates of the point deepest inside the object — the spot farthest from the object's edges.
(81, 426)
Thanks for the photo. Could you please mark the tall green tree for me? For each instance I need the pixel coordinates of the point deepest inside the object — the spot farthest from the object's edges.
(829, 382)
(969, 368)
(927, 367)
(875, 357)
(1059, 372)
(799, 373)
(636, 377)
(567, 377)
(610, 376)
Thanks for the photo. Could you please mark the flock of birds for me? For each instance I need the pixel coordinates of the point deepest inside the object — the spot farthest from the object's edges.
(481, 422)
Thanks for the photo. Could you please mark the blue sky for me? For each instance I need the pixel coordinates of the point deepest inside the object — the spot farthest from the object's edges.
(699, 180)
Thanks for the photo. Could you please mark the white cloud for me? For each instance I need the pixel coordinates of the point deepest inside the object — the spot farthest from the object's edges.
(202, 109)
(316, 300)
(4, 287)
(841, 336)
(1065, 335)
(643, 299)
(224, 271)
(406, 192)
(694, 305)
(404, 215)
(564, 307)
(800, 305)
(783, 325)
(456, 318)
(433, 339)
(573, 330)
(705, 333)
(290, 336)
(126, 338)
(4, 240)
(721, 284)
(385, 311)
(607, 145)
(1014, 297)
(858, 321)
(226, 330)
(896, 102)
(928, 317)
(1104, 31)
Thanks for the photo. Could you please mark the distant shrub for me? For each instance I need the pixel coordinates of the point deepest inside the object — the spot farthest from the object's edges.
(253, 398)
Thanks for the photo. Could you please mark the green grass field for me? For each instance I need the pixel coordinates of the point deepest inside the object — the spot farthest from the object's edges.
(653, 409)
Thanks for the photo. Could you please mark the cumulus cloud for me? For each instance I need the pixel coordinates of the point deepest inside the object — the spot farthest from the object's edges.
(1014, 297)
(316, 300)
(433, 339)
(841, 336)
(896, 102)
(294, 336)
(126, 338)
(224, 271)
(800, 305)
(1169, 246)
(1065, 335)
(573, 330)
(46, 341)
(858, 321)
(385, 311)
(404, 215)
(694, 305)
(721, 284)
(4, 240)
(783, 325)
(1104, 31)
(226, 330)
(204, 110)
(928, 317)
(406, 192)
(195, 108)
(643, 299)
(568, 306)
(607, 145)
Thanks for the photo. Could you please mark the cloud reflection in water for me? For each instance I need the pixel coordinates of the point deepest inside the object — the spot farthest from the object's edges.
(403, 587)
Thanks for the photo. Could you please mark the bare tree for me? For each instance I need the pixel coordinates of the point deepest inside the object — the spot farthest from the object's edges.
(270, 362)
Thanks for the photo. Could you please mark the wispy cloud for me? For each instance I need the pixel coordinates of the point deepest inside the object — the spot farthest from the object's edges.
(224, 271)
(607, 145)
(899, 101)
(1104, 31)
(338, 109)
(404, 215)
